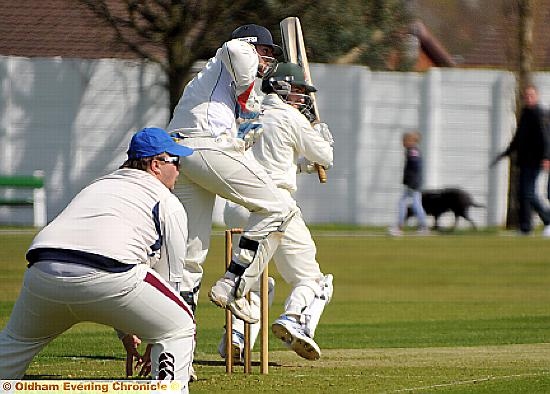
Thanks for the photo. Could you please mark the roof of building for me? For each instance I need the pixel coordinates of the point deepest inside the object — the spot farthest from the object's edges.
(431, 46)
(67, 28)
(49, 28)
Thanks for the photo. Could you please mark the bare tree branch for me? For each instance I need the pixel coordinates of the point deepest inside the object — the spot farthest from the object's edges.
(176, 33)
(102, 11)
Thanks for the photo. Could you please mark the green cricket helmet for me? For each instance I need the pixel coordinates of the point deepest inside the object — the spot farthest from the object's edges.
(281, 80)
(291, 73)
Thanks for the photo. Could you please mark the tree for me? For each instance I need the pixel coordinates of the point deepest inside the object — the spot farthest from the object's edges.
(360, 32)
(172, 33)
(523, 9)
(177, 33)
(525, 40)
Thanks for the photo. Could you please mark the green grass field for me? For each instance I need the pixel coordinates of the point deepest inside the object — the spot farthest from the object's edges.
(449, 313)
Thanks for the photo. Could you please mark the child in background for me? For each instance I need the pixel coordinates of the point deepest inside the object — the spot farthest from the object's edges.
(412, 179)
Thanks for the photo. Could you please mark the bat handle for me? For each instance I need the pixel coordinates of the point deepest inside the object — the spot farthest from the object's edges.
(321, 172)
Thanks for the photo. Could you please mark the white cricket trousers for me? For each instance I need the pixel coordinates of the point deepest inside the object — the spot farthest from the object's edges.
(219, 167)
(294, 258)
(137, 301)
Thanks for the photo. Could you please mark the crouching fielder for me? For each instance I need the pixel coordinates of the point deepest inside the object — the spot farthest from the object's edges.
(288, 136)
(91, 264)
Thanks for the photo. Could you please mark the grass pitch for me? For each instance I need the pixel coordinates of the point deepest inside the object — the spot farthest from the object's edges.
(446, 313)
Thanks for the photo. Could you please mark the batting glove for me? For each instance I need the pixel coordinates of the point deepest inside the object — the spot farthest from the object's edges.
(249, 132)
(323, 130)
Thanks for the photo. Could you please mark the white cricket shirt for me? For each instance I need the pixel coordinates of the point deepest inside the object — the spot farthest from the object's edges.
(211, 101)
(287, 136)
(128, 216)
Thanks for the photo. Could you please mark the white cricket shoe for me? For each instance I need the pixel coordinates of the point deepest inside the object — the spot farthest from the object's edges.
(293, 335)
(237, 346)
(546, 231)
(221, 294)
(240, 307)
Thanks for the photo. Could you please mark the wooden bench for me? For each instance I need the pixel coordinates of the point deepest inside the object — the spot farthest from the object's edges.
(37, 201)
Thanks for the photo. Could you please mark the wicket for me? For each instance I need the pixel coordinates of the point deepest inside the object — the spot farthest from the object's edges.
(264, 328)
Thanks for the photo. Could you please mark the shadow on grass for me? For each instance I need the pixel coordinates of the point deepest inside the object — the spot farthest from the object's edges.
(219, 363)
(84, 356)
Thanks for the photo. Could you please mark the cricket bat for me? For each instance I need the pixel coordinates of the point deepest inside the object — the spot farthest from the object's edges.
(295, 52)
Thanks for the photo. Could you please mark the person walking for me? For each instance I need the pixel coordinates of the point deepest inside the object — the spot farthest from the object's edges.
(412, 180)
(532, 145)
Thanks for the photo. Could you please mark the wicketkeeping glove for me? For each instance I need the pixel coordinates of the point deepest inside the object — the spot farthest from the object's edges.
(323, 130)
(249, 132)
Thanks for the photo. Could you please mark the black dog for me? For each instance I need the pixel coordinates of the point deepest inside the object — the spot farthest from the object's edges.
(437, 202)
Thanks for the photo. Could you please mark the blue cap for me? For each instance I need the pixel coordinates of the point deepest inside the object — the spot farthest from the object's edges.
(153, 141)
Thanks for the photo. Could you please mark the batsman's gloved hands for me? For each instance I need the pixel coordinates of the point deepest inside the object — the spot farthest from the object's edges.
(249, 132)
(323, 130)
(305, 166)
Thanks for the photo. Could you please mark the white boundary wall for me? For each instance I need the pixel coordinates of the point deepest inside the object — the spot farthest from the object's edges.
(73, 119)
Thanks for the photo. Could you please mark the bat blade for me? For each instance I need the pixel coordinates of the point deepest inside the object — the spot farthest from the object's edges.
(295, 52)
(290, 41)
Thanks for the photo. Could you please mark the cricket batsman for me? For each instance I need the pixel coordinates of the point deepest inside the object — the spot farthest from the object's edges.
(290, 145)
